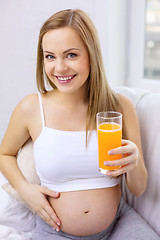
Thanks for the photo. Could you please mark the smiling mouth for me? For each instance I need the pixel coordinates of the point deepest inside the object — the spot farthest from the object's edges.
(65, 79)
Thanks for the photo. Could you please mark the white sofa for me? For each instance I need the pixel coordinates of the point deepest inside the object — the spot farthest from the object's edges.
(147, 106)
(17, 221)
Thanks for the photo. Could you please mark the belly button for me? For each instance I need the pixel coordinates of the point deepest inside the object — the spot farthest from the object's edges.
(87, 212)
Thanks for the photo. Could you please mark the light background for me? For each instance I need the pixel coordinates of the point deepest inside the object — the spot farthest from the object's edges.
(20, 22)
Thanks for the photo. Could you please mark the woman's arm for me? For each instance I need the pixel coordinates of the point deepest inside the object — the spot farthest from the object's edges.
(132, 161)
(16, 135)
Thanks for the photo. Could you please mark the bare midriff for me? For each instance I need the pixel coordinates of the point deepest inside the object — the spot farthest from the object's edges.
(87, 212)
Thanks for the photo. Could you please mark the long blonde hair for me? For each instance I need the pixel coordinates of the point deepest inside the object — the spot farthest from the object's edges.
(100, 96)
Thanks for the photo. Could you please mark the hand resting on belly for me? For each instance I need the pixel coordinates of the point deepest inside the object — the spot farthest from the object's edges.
(86, 212)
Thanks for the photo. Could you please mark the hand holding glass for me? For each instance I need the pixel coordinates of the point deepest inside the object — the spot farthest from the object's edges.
(109, 129)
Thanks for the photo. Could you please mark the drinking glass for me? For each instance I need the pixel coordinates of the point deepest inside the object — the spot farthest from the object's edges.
(109, 129)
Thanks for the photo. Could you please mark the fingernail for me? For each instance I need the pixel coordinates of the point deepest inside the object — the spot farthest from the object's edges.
(108, 173)
(56, 194)
(106, 163)
(57, 229)
(110, 152)
(58, 223)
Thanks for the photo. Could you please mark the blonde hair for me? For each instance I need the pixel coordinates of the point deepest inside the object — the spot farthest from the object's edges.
(100, 96)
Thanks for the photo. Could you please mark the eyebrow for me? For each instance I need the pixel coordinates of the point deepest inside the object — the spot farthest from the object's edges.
(70, 49)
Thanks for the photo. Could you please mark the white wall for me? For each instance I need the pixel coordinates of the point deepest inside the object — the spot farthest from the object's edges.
(116, 46)
(20, 21)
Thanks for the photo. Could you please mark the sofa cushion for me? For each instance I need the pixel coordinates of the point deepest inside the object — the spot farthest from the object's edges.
(14, 212)
(14, 215)
(26, 164)
(148, 205)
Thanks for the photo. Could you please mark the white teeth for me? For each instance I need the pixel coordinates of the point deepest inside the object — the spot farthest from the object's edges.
(64, 78)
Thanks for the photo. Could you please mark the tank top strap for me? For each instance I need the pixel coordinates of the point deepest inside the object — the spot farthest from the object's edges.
(41, 109)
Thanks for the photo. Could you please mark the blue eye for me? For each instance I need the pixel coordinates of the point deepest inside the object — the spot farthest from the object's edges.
(72, 55)
(49, 57)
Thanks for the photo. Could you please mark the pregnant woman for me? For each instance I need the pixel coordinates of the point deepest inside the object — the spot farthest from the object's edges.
(74, 200)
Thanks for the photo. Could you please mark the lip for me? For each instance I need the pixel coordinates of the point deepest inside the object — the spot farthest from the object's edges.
(71, 77)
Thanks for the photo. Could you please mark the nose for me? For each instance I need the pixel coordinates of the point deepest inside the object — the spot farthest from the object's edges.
(61, 66)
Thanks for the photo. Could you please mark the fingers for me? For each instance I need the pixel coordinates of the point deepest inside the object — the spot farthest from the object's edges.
(119, 162)
(120, 171)
(52, 216)
(49, 192)
(36, 197)
(49, 216)
(45, 210)
(128, 161)
(127, 147)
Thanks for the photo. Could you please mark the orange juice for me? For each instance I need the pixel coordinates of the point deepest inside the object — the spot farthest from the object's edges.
(109, 137)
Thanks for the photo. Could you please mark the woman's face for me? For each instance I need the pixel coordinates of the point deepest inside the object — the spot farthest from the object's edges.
(66, 59)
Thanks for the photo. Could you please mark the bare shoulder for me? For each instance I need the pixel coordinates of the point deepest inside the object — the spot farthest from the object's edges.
(26, 111)
(125, 102)
(18, 127)
(127, 106)
(28, 104)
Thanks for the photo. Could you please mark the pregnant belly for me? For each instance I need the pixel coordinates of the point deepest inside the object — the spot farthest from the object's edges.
(87, 212)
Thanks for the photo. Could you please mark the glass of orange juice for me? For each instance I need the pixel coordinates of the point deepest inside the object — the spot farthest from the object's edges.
(109, 129)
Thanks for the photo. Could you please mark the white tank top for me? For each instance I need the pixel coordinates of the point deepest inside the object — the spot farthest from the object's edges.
(63, 162)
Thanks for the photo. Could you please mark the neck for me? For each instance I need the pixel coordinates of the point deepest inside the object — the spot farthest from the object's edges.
(71, 101)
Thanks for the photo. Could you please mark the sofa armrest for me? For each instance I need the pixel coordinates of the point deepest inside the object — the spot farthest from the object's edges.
(147, 106)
